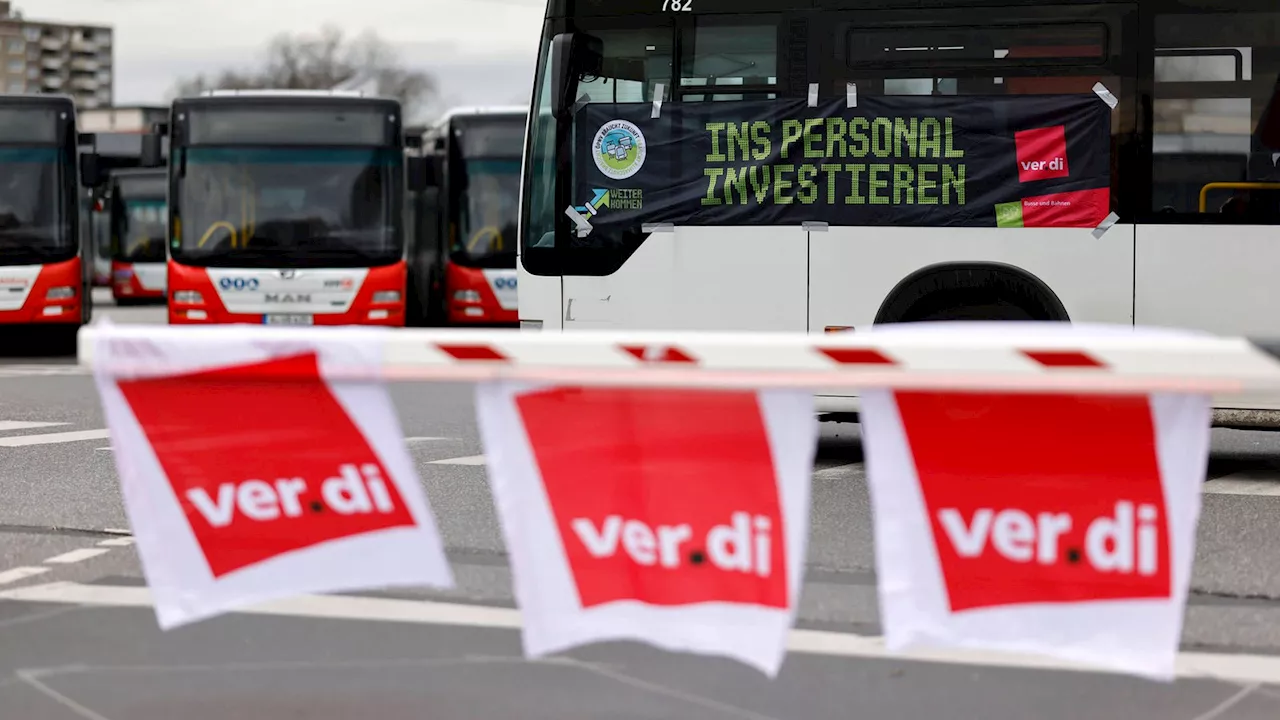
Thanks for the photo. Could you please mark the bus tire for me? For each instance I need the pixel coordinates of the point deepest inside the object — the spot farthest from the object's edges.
(971, 292)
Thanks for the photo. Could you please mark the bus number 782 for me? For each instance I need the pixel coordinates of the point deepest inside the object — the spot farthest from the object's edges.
(677, 5)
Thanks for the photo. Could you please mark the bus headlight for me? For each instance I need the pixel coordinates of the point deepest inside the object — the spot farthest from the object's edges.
(387, 296)
(60, 293)
(467, 296)
(188, 297)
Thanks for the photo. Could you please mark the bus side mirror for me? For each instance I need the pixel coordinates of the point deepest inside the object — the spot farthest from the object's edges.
(573, 55)
(152, 151)
(90, 171)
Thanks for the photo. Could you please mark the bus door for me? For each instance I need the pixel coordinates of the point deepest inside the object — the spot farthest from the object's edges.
(656, 274)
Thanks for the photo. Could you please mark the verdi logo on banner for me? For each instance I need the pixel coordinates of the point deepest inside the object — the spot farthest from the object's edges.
(284, 493)
(1047, 520)
(659, 527)
(1005, 161)
(677, 518)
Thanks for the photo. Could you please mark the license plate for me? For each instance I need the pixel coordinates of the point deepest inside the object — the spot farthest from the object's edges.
(288, 320)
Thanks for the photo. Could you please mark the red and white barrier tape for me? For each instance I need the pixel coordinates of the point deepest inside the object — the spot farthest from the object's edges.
(981, 358)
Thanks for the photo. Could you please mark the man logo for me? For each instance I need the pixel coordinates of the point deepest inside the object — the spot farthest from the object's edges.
(288, 274)
(619, 149)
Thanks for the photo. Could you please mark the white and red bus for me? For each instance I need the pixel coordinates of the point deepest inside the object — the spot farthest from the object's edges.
(45, 260)
(463, 252)
(285, 207)
(137, 222)
(678, 225)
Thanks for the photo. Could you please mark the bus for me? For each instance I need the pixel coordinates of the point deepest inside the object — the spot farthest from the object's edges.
(137, 222)
(829, 165)
(463, 251)
(284, 207)
(115, 150)
(45, 267)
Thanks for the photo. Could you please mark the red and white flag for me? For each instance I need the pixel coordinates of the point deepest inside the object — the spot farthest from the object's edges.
(673, 517)
(248, 475)
(1043, 523)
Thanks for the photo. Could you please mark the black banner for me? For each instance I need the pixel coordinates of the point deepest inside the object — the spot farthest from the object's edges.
(1002, 161)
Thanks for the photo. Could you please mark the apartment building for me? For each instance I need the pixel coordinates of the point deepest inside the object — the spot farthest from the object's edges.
(46, 57)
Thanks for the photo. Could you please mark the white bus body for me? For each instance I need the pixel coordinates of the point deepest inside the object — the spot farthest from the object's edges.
(1194, 90)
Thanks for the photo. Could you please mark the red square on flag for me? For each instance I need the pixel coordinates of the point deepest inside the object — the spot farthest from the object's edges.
(264, 460)
(1040, 498)
(664, 497)
(1042, 153)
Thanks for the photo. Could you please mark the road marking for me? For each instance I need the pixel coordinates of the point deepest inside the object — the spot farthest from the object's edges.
(838, 470)
(21, 573)
(469, 460)
(55, 438)
(1265, 484)
(18, 371)
(10, 425)
(76, 556)
(1219, 666)
(117, 542)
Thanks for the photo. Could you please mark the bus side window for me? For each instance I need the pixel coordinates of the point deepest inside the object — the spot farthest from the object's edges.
(1216, 132)
(968, 58)
(635, 61)
(732, 52)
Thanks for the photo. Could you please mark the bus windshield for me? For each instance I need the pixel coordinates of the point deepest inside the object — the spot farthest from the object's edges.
(32, 225)
(286, 207)
(140, 231)
(490, 199)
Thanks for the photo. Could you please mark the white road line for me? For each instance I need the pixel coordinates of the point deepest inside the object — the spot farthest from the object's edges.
(1245, 483)
(21, 573)
(55, 438)
(116, 542)
(10, 425)
(1239, 668)
(469, 460)
(837, 470)
(76, 556)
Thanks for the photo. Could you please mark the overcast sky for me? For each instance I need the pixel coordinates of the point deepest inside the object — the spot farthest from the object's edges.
(481, 51)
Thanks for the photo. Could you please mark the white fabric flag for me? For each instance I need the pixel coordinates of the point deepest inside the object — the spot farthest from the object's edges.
(249, 476)
(674, 518)
(1056, 524)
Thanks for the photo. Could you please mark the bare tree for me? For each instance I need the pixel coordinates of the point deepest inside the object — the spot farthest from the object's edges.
(321, 61)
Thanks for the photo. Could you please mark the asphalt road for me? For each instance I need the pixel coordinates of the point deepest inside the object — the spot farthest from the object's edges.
(78, 639)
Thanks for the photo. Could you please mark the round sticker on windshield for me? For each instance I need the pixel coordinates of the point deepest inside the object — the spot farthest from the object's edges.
(619, 149)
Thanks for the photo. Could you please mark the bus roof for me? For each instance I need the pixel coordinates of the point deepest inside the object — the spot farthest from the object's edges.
(480, 110)
(284, 97)
(38, 99)
(603, 8)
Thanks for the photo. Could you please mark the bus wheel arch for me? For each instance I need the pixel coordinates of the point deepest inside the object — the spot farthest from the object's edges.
(971, 291)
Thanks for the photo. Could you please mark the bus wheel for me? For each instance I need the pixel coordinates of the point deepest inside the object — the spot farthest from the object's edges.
(971, 291)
